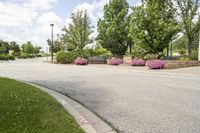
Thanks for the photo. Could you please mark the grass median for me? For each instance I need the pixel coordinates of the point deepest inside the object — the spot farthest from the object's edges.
(27, 109)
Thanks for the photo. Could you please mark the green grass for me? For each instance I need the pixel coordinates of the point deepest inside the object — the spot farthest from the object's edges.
(26, 109)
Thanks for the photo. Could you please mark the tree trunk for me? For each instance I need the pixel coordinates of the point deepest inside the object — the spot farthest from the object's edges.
(130, 49)
(171, 50)
(167, 52)
(190, 43)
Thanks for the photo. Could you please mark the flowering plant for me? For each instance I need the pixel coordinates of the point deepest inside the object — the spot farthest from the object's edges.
(81, 61)
(115, 61)
(156, 64)
(138, 62)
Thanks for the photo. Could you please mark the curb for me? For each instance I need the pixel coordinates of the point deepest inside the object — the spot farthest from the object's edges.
(87, 120)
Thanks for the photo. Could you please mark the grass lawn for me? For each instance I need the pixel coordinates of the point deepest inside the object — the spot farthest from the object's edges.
(26, 109)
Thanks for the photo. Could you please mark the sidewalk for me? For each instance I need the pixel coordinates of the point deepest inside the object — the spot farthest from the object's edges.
(193, 71)
(190, 71)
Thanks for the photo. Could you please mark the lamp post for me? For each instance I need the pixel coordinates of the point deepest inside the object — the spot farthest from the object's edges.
(52, 41)
(199, 46)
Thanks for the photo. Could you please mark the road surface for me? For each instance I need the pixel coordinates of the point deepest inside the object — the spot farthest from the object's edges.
(130, 100)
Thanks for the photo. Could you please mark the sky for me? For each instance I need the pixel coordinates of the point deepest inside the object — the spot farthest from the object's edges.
(29, 20)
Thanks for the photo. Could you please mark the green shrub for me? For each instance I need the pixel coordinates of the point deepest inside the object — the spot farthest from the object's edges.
(16, 54)
(64, 57)
(11, 57)
(77, 53)
(31, 56)
(6, 57)
(69, 57)
(182, 52)
(23, 56)
(184, 58)
(194, 55)
(98, 52)
(151, 57)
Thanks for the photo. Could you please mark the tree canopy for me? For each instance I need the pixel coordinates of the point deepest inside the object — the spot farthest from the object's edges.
(153, 25)
(113, 27)
(77, 35)
(189, 20)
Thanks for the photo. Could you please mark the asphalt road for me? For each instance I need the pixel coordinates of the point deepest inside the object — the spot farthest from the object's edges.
(132, 101)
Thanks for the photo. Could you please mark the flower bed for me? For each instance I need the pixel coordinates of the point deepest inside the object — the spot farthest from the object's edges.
(115, 61)
(156, 64)
(138, 62)
(81, 61)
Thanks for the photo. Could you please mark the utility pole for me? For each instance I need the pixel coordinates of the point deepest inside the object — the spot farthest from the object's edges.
(52, 41)
(199, 46)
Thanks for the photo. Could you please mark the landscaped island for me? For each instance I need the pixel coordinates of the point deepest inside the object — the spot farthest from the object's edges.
(26, 109)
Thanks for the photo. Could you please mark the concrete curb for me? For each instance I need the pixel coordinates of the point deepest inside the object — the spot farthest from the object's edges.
(87, 120)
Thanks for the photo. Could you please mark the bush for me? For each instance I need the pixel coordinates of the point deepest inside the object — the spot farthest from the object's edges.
(194, 55)
(182, 52)
(64, 57)
(11, 57)
(156, 64)
(6, 57)
(23, 56)
(184, 58)
(31, 56)
(151, 57)
(138, 62)
(81, 61)
(98, 52)
(115, 61)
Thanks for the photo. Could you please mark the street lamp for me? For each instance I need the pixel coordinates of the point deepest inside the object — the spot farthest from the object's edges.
(52, 41)
(199, 47)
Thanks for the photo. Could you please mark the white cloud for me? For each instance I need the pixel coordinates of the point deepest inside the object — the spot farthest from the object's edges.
(95, 11)
(49, 17)
(40, 4)
(28, 21)
(15, 15)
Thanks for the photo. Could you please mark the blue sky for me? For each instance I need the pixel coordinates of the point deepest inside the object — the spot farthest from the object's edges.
(28, 20)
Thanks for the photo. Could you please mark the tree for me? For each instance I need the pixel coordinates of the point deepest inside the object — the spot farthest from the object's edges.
(14, 46)
(37, 49)
(4, 47)
(69, 45)
(180, 45)
(153, 25)
(28, 48)
(189, 20)
(79, 31)
(57, 46)
(113, 28)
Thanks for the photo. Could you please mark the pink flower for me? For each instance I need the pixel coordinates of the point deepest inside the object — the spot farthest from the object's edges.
(80, 61)
(138, 62)
(156, 64)
(115, 61)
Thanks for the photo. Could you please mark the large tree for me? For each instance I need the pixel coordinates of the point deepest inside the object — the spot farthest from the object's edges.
(79, 30)
(28, 48)
(4, 47)
(14, 46)
(57, 46)
(189, 20)
(113, 28)
(153, 25)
